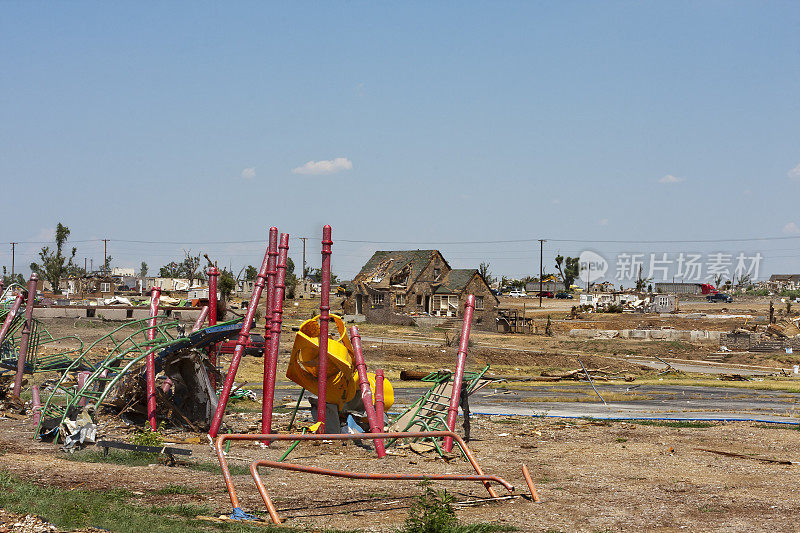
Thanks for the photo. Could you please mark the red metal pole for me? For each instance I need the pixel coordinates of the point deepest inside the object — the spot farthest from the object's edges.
(10, 316)
(268, 386)
(244, 335)
(379, 405)
(324, 307)
(200, 319)
(366, 394)
(452, 412)
(155, 299)
(25, 337)
(213, 275)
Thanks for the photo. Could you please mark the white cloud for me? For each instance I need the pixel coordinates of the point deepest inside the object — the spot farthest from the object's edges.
(794, 174)
(326, 166)
(45, 234)
(669, 178)
(604, 222)
(249, 173)
(791, 229)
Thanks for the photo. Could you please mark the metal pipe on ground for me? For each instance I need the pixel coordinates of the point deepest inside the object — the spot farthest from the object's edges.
(366, 393)
(324, 308)
(461, 361)
(273, 513)
(213, 277)
(271, 357)
(244, 335)
(379, 399)
(155, 300)
(529, 481)
(25, 337)
(226, 473)
(200, 319)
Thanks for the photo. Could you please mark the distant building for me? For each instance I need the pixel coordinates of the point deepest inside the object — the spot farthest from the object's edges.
(785, 282)
(395, 285)
(532, 287)
(166, 284)
(684, 288)
(123, 272)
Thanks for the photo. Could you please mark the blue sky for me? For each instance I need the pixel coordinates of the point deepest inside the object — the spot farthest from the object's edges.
(439, 122)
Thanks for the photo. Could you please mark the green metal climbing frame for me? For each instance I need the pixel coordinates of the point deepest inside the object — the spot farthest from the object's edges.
(40, 337)
(429, 412)
(129, 346)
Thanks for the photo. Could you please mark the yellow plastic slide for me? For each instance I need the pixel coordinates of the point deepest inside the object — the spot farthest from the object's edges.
(342, 375)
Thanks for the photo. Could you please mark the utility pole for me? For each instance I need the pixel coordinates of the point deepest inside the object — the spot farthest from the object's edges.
(105, 255)
(588, 275)
(13, 250)
(303, 274)
(541, 273)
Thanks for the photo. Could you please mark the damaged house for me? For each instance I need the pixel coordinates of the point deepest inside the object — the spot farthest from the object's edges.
(394, 287)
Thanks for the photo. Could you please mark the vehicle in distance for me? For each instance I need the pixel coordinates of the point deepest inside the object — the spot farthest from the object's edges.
(544, 294)
(254, 346)
(719, 297)
(516, 293)
(564, 296)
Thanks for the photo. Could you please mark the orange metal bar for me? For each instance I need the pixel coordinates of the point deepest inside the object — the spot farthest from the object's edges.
(273, 513)
(529, 481)
(226, 473)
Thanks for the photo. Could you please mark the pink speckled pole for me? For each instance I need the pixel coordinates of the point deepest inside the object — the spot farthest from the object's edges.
(461, 362)
(366, 394)
(25, 337)
(155, 299)
(324, 308)
(268, 393)
(244, 336)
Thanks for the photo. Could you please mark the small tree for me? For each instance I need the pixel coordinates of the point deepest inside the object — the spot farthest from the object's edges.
(718, 281)
(484, 271)
(291, 279)
(143, 270)
(250, 273)
(568, 268)
(8, 279)
(107, 264)
(53, 263)
(170, 270)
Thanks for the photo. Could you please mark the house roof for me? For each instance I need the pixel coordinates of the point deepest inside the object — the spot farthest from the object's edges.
(785, 277)
(385, 264)
(456, 280)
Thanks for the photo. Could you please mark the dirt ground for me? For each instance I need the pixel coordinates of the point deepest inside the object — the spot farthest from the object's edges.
(591, 476)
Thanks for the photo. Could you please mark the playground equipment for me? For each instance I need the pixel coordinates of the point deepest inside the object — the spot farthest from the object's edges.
(131, 344)
(13, 333)
(342, 376)
(238, 513)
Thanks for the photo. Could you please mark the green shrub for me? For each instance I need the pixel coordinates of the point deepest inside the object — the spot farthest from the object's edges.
(432, 512)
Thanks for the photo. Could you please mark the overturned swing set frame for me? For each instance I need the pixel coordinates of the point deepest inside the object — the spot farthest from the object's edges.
(273, 513)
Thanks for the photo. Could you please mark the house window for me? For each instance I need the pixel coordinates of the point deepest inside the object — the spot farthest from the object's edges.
(400, 299)
(435, 273)
(445, 305)
(479, 302)
(105, 287)
(377, 299)
(419, 299)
